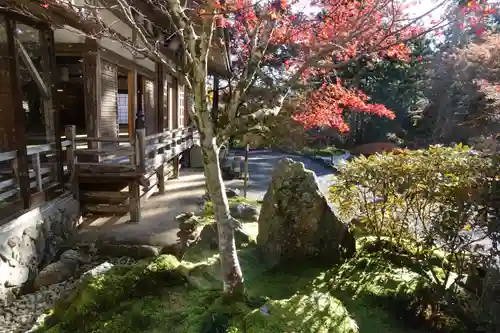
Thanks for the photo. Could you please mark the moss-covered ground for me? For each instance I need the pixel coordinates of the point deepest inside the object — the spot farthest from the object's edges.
(372, 293)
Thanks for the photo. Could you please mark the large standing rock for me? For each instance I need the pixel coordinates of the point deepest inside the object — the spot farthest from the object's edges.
(296, 223)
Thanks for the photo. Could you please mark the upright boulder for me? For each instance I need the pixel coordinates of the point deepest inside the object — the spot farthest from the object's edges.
(296, 223)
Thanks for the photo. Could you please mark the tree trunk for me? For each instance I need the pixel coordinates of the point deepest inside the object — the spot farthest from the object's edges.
(231, 271)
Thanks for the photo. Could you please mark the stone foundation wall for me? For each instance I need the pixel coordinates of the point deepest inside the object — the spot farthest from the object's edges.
(32, 240)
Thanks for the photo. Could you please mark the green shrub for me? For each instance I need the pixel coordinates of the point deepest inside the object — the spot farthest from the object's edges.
(437, 201)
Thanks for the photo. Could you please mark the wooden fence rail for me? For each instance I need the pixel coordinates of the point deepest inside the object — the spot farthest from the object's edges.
(43, 176)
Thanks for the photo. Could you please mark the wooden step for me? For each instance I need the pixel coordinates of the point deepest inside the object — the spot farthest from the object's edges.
(108, 209)
(104, 197)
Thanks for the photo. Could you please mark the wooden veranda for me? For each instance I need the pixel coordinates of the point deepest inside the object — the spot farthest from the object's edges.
(122, 174)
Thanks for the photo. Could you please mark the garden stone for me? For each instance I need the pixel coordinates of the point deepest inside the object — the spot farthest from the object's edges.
(232, 192)
(209, 236)
(76, 256)
(244, 211)
(55, 272)
(96, 271)
(296, 222)
(184, 216)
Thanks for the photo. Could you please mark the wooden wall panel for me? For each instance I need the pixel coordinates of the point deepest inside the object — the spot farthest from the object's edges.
(108, 124)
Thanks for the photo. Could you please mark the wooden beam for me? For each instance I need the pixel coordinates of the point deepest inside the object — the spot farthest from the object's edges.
(71, 49)
(51, 106)
(124, 62)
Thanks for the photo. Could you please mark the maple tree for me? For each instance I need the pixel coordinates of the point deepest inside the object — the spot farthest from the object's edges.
(275, 53)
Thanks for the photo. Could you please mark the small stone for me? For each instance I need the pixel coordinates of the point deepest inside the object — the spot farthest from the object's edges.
(244, 211)
(96, 271)
(232, 192)
(55, 273)
(13, 241)
(209, 236)
(184, 216)
(189, 224)
(76, 256)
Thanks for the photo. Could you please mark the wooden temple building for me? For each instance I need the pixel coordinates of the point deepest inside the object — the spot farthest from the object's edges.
(84, 116)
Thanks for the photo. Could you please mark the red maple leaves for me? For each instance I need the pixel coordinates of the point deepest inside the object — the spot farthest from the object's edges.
(320, 43)
(327, 105)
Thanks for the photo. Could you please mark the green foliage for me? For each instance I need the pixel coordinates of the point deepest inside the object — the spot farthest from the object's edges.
(434, 201)
(398, 85)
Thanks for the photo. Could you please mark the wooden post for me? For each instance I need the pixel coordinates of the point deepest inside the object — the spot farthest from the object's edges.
(132, 103)
(245, 181)
(135, 201)
(161, 168)
(175, 160)
(51, 106)
(70, 133)
(38, 174)
(140, 137)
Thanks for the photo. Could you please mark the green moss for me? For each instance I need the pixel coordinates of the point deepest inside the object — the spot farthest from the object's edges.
(362, 295)
(316, 313)
(107, 291)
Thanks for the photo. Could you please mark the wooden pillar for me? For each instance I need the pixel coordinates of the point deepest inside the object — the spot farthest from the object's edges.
(161, 169)
(135, 201)
(175, 160)
(19, 122)
(51, 106)
(160, 96)
(160, 105)
(92, 89)
(134, 186)
(132, 103)
(70, 133)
